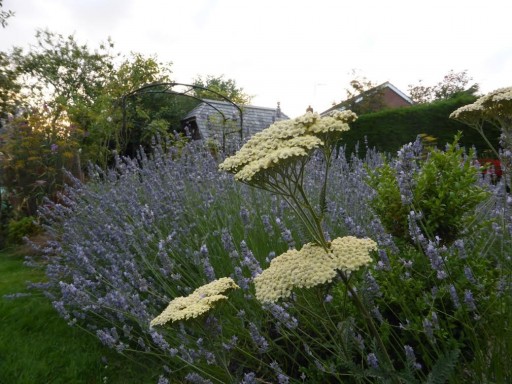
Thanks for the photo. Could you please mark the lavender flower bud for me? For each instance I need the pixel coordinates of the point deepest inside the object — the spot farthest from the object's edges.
(258, 339)
(372, 360)
(454, 296)
(469, 300)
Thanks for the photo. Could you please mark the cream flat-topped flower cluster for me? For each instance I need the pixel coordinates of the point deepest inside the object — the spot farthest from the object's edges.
(198, 302)
(311, 266)
(494, 105)
(285, 140)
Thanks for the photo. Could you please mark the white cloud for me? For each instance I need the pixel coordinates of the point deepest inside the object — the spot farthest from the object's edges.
(295, 52)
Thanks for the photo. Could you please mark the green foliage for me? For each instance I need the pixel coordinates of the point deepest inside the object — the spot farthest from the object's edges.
(227, 88)
(444, 192)
(73, 113)
(112, 124)
(4, 15)
(453, 84)
(18, 229)
(388, 130)
(443, 369)
(388, 203)
(9, 87)
(87, 86)
(61, 69)
(6, 213)
(38, 151)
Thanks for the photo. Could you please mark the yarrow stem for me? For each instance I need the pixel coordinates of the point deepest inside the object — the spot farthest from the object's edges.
(275, 160)
(370, 324)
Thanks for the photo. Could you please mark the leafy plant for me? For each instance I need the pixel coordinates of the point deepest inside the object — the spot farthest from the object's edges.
(18, 229)
(442, 190)
(38, 151)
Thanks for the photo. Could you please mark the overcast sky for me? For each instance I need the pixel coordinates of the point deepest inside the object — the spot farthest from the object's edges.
(296, 52)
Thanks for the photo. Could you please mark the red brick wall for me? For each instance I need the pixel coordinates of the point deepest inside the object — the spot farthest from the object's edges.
(392, 100)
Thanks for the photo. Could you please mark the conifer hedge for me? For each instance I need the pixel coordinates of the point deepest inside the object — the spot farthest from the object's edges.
(389, 129)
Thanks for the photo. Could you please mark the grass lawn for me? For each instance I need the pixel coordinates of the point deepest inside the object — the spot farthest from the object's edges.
(37, 346)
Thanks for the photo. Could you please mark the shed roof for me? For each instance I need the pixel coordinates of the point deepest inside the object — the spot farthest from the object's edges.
(216, 119)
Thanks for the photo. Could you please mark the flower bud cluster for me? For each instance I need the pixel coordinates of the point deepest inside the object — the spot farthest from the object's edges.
(494, 105)
(198, 302)
(311, 266)
(284, 140)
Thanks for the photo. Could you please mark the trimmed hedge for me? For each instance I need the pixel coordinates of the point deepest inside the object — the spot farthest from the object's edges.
(390, 129)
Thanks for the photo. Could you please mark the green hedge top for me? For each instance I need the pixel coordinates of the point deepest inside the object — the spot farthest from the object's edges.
(390, 129)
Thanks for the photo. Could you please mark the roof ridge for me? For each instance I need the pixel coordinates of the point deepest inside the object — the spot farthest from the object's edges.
(213, 101)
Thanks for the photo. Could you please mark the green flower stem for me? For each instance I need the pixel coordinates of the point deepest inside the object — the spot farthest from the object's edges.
(317, 219)
(369, 322)
(480, 130)
(314, 221)
(308, 222)
(322, 198)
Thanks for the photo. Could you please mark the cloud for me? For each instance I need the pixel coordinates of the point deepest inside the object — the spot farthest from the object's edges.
(281, 50)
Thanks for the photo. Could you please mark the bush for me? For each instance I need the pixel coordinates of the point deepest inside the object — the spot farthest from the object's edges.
(441, 191)
(18, 229)
(37, 152)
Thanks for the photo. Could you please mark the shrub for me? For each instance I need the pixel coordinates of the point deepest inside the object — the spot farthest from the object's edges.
(18, 229)
(36, 153)
(441, 191)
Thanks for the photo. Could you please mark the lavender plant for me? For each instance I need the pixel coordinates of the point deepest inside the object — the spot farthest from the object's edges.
(143, 233)
(152, 230)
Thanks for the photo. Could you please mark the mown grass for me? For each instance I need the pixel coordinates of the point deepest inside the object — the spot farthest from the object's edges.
(37, 346)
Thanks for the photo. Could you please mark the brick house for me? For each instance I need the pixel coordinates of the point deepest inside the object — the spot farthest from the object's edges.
(383, 96)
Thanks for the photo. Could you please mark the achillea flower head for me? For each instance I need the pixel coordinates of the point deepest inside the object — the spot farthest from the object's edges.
(283, 142)
(495, 105)
(352, 253)
(311, 266)
(197, 303)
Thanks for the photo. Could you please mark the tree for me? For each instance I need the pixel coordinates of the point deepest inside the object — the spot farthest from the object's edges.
(228, 88)
(358, 85)
(38, 150)
(9, 88)
(4, 15)
(70, 78)
(453, 84)
(72, 113)
(62, 73)
(125, 124)
(363, 96)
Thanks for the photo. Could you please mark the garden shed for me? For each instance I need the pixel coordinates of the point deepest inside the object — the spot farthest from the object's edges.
(226, 122)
